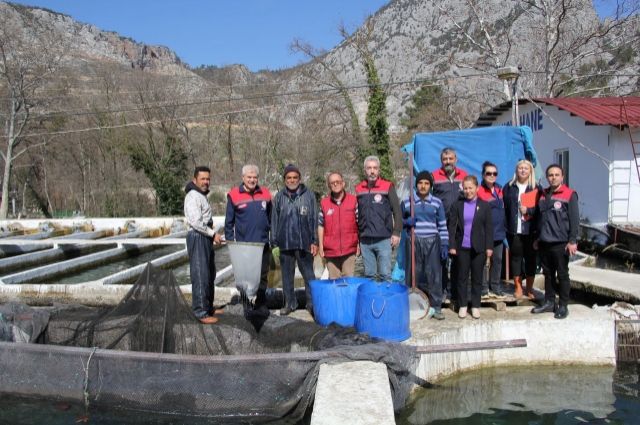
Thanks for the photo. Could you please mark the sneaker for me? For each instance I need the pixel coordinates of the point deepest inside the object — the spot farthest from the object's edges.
(475, 313)
(446, 297)
(285, 311)
(438, 315)
(462, 313)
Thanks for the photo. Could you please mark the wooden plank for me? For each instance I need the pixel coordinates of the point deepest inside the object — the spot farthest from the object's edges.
(472, 346)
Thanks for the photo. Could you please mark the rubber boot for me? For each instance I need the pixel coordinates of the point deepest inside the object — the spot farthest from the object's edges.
(517, 281)
(528, 290)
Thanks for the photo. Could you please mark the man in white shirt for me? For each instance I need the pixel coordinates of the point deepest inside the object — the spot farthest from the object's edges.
(200, 240)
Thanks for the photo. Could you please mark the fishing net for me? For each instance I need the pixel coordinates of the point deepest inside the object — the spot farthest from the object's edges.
(150, 353)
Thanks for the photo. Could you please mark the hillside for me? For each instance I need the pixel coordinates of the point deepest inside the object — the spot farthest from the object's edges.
(108, 126)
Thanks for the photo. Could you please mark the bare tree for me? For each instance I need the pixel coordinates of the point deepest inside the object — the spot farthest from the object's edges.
(571, 40)
(477, 29)
(572, 36)
(29, 56)
(332, 80)
(159, 153)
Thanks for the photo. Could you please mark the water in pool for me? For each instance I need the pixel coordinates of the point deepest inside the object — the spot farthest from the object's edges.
(530, 395)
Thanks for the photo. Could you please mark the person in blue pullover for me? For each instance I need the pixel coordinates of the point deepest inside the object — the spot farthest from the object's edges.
(429, 223)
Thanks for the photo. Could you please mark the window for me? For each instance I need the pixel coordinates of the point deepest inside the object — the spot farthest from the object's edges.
(562, 159)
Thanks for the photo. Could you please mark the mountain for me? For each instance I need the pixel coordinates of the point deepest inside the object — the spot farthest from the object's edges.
(87, 43)
(115, 125)
(454, 44)
(458, 45)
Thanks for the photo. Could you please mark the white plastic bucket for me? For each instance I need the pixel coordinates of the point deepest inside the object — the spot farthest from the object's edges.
(246, 259)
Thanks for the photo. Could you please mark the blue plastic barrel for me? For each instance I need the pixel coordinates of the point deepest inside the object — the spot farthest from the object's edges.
(382, 310)
(335, 300)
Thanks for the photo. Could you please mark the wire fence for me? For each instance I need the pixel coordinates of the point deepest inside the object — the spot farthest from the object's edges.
(628, 340)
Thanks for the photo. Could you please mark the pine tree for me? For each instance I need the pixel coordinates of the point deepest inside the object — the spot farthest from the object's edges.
(377, 120)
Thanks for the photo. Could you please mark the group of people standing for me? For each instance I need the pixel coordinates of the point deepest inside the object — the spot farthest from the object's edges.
(460, 226)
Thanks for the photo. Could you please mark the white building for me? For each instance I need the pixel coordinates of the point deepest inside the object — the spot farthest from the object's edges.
(597, 142)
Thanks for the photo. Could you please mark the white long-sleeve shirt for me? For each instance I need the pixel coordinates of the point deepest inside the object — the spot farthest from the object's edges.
(197, 212)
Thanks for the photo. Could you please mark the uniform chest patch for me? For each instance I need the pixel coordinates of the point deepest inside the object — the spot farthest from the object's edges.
(377, 198)
(557, 205)
(264, 205)
(241, 206)
(330, 211)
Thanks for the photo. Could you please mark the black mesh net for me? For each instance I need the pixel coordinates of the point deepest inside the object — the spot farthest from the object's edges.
(150, 353)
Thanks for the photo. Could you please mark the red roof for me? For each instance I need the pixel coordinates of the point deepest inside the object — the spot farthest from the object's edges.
(600, 110)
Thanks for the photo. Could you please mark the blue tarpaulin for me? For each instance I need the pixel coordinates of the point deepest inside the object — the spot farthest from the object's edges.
(502, 145)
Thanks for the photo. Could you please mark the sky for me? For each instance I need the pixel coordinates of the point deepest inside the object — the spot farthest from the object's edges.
(256, 33)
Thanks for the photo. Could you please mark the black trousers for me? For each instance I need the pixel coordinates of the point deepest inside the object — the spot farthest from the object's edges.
(202, 269)
(261, 298)
(468, 260)
(428, 269)
(288, 260)
(555, 266)
(521, 248)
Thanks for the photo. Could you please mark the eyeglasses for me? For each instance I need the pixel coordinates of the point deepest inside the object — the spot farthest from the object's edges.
(491, 173)
(336, 183)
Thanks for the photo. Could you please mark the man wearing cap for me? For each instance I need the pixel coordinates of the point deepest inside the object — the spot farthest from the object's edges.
(294, 223)
(558, 221)
(200, 240)
(379, 220)
(447, 186)
(248, 219)
(338, 228)
(429, 224)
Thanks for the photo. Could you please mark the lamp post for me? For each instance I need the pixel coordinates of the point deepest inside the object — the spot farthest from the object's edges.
(512, 75)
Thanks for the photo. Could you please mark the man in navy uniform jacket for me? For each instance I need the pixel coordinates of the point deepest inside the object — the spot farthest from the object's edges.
(558, 220)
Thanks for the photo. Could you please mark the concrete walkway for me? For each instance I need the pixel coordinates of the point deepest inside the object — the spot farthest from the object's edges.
(355, 393)
(609, 283)
(586, 337)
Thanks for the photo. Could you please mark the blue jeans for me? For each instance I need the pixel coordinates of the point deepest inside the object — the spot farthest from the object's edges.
(288, 260)
(376, 255)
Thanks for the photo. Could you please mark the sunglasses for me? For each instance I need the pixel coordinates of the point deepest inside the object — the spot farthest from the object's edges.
(491, 173)
(336, 183)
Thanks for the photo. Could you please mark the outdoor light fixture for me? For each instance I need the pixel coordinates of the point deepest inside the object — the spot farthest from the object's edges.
(508, 72)
(512, 74)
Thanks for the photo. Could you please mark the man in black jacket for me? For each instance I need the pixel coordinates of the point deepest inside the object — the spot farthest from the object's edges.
(558, 221)
(294, 224)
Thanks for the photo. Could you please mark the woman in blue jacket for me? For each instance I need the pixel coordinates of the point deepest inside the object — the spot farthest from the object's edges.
(491, 192)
